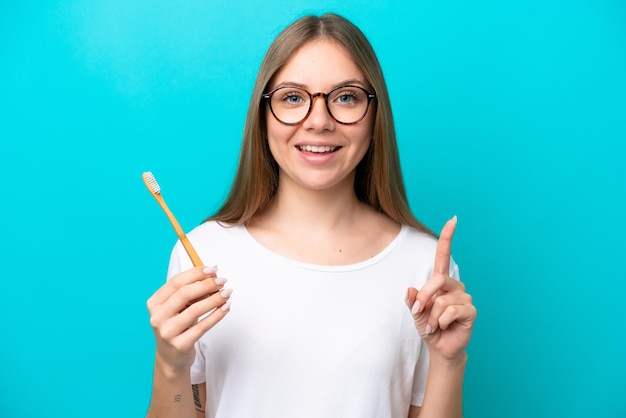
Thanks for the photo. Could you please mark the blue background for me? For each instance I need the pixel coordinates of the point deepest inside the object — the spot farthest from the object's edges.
(511, 115)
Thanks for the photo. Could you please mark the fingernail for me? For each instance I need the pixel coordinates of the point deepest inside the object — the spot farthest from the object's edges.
(225, 293)
(209, 269)
(226, 307)
(416, 307)
(220, 280)
(428, 329)
(454, 218)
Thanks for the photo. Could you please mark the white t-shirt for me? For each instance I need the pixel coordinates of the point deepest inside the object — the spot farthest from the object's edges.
(305, 340)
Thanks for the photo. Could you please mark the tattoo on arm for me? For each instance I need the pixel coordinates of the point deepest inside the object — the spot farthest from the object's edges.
(178, 398)
(196, 398)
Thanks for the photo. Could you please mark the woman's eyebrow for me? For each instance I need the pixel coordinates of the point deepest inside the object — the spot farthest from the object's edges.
(290, 84)
(350, 81)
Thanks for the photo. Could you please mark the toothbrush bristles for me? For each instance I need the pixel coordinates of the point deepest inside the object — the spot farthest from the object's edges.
(151, 182)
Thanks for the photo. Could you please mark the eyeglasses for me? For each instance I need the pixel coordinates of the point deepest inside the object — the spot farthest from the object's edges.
(292, 105)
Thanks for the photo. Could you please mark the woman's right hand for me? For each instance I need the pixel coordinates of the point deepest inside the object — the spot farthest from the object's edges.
(174, 312)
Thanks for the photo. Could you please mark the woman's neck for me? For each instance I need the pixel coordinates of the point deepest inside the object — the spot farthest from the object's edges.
(329, 227)
(299, 208)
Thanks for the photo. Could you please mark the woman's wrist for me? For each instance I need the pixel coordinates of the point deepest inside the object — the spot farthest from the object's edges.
(168, 372)
(457, 362)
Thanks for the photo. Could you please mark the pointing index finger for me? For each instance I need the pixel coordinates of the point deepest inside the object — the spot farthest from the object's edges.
(442, 253)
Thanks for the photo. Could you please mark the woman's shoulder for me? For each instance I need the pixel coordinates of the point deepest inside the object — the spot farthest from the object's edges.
(422, 247)
(215, 231)
(213, 241)
(418, 235)
(417, 240)
(212, 233)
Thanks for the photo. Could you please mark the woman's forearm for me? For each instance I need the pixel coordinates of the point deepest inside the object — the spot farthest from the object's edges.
(444, 389)
(172, 396)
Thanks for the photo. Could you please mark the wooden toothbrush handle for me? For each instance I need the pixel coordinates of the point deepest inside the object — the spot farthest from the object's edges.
(193, 255)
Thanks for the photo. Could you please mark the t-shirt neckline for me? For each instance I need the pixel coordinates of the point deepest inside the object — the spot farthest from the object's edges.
(329, 268)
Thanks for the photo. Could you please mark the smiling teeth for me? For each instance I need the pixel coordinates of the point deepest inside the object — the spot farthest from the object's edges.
(314, 148)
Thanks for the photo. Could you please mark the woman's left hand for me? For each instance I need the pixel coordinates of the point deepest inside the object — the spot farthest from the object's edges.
(442, 310)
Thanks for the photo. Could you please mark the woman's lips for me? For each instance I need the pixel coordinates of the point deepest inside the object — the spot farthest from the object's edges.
(318, 149)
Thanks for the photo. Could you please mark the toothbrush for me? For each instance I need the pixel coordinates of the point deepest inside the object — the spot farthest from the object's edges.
(155, 190)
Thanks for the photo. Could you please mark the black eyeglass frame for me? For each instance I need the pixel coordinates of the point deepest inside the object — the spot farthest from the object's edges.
(268, 97)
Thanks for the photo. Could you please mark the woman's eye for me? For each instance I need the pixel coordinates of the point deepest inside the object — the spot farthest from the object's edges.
(347, 97)
(292, 98)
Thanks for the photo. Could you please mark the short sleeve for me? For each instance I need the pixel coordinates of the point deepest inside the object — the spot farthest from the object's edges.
(198, 368)
(454, 270)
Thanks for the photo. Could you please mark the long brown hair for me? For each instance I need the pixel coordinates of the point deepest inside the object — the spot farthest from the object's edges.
(378, 180)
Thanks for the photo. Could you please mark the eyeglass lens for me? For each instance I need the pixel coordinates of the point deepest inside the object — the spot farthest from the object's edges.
(346, 104)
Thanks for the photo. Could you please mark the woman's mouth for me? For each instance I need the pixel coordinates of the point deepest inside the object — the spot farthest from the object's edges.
(318, 149)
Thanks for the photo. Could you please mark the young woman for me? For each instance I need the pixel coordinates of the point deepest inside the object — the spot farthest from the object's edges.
(324, 256)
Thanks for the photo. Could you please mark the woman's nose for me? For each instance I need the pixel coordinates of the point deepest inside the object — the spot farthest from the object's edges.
(319, 118)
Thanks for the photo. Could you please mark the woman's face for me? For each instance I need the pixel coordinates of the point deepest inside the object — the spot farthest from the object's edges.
(319, 153)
